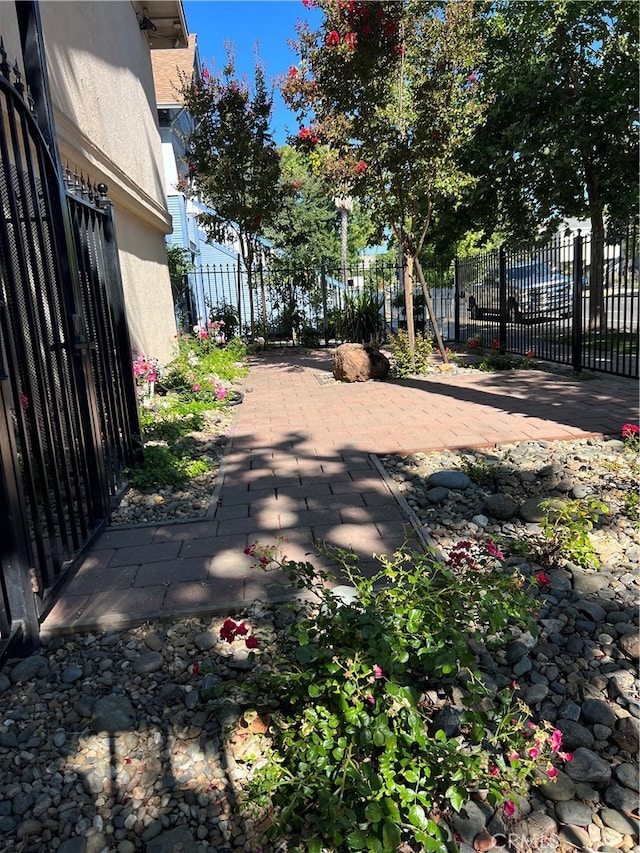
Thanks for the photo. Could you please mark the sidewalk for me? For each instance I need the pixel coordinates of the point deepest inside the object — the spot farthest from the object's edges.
(301, 466)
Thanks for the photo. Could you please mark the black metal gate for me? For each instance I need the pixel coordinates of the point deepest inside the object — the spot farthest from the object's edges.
(68, 417)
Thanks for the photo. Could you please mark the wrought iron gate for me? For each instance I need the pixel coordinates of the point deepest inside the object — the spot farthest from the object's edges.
(68, 416)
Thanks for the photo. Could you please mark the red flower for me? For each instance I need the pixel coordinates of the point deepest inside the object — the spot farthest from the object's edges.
(630, 431)
(436, 134)
(543, 578)
(205, 73)
(308, 4)
(242, 629)
(530, 353)
(360, 168)
(195, 668)
(228, 630)
(378, 671)
(333, 39)
(390, 28)
(472, 78)
(251, 642)
(509, 807)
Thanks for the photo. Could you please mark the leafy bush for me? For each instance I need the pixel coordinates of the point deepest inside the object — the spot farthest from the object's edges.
(360, 759)
(202, 366)
(361, 320)
(403, 363)
(164, 466)
(566, 526)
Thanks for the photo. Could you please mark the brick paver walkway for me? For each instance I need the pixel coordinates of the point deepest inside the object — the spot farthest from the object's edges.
(300, 466)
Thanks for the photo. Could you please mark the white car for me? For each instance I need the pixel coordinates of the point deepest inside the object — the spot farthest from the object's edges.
(534, 292)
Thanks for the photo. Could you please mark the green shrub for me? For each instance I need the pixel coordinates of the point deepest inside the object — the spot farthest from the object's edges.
(359, 758)
(404, 364)
(164, 466)
(566, 526)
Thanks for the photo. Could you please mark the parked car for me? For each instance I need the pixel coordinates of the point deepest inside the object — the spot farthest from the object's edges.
(534, 292)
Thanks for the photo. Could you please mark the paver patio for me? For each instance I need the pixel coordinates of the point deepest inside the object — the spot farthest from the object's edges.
(301, 466)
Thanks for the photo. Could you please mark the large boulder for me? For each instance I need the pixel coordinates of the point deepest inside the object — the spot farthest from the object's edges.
(358, 363)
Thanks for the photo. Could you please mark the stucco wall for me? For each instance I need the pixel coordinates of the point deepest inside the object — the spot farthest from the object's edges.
(104, 105)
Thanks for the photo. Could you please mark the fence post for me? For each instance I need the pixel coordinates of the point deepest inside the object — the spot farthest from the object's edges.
(576, 327)
(456, 297)
(325, 319)
(502, 299)
(239, 296)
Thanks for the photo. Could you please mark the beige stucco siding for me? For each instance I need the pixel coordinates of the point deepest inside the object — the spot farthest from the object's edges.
(102, 90)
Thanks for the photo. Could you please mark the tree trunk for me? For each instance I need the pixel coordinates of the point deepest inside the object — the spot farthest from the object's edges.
(408, 263)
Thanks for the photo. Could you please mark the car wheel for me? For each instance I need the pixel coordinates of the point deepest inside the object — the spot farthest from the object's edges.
(513, 313)
(474, 312)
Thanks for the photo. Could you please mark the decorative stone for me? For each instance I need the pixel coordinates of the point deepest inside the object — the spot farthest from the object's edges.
(629, 645)
(448, 479)
(531, 510)
(573, 812)
(173, 840)
(500, 506)
(35, 666)
(588, 767)
(148, 662)
(359, 363)
(626, 735)
(598, 711)
(113, 714)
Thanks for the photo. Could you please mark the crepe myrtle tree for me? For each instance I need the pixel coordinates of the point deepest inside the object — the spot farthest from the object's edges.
(385, 93)
(560, 138)
(232, 160)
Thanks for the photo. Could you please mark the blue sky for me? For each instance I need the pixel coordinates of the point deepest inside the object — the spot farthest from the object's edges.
(269, 22)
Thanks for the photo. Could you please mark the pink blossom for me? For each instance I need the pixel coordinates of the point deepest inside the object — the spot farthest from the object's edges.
(493, 770)
(221, 392)
(568, 757)
(333, 39)
(514, 757)
(370, 699)
(196, 387)
(509, 807)
(308, 4)
(534, 752)
(292, 72)
(552, 772)
(493, 549)
(556, 740)
(360, 168)
(378, 672)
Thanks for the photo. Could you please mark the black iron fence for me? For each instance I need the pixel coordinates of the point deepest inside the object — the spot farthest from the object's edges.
(549, 301)
(68, 417)
(553, 303)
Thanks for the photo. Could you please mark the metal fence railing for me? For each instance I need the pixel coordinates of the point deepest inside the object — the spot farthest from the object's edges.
(550, 300)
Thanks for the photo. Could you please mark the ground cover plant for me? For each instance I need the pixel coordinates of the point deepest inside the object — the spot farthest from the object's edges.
(180, 399)
(358, 754)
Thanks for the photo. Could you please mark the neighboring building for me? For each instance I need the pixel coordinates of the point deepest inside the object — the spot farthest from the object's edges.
(101, 87)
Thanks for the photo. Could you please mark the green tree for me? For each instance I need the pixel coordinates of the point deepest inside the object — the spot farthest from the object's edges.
(560, 137)
(390, 94)
(305, 228)
(233, 162)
